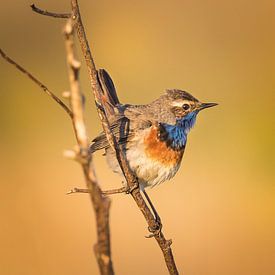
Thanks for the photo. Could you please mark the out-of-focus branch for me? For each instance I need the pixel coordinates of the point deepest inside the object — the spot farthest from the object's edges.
(48, 13)
(132, 182)
(101, 204)
(37, 82)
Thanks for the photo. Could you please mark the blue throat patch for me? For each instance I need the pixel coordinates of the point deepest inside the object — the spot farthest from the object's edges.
(176, 135)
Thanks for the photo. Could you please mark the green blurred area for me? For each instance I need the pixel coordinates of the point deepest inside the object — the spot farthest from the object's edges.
(219, 209)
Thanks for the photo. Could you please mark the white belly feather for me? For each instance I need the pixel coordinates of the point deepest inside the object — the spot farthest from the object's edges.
(149, 172)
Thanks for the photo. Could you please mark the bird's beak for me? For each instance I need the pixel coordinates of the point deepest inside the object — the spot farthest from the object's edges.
(207, 105)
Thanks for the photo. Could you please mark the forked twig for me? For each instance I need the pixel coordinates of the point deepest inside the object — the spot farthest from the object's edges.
(101, 203)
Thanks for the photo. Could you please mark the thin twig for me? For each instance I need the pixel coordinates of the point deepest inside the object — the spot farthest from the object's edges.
(37, 82)
(48, 13)
(100, 203)
(115, 191)
(78, 190)
(130, 178)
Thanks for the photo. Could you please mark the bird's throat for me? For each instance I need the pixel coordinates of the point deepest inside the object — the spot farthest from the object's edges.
(175, 136)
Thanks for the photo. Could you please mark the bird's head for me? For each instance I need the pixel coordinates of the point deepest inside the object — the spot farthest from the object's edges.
(176, 113)
(183, 105)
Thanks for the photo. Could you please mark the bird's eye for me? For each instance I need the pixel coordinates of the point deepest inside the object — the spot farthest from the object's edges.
(185, 106)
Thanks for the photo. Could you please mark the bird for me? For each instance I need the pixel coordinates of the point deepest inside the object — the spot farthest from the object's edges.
(153, 136)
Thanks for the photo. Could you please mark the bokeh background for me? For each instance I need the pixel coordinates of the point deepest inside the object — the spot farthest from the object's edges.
(219, 209)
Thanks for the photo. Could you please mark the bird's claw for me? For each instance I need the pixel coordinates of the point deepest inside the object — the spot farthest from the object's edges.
(156, 229)
(132, 188)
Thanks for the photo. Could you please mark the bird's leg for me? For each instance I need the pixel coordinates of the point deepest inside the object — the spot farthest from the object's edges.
(157, 217)
(157, 230)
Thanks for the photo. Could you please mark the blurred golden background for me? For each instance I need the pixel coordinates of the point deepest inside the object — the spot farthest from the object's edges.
(219, 209)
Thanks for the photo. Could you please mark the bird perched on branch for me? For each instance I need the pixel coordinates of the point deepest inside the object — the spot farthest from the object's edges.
(153, 136)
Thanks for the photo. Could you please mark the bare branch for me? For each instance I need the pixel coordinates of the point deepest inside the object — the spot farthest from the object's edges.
(76, 97)
(130, 178)
(37, 82)
(100, 203)
(78, 190)
(48, 13)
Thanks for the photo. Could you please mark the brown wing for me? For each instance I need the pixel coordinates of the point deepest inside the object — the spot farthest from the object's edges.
(126, 120)
(124, 130)
(120, 129)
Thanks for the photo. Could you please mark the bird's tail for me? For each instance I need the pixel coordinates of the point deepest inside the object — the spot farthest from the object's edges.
(109, 97)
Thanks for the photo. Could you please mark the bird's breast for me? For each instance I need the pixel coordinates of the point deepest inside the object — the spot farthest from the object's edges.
(158, 149)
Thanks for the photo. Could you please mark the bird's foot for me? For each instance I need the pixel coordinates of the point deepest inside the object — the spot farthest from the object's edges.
(156, 229)
(130, 189)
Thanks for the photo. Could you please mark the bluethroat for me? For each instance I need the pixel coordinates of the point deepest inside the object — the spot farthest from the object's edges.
(153, 136)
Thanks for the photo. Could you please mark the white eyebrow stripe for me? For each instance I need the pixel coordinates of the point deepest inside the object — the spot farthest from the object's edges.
(179, 103)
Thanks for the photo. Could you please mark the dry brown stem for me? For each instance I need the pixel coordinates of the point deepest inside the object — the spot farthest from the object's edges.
(48, 13)
(100, 203)
(132, 182)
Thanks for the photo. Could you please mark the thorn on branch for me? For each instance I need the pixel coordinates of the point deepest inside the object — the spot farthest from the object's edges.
(70, 154)
(76, 64)
(48, 13)
(169, 242)
(68, 29)
(66, 94)
(79, 155)
(167, 245)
